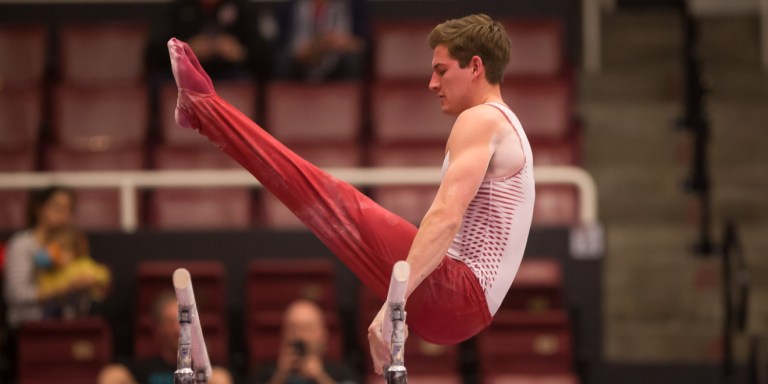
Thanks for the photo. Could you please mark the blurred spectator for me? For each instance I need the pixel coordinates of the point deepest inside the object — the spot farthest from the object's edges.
(50, 211)
(65, 265)
(322, 40)
(226, 36)
(302, 349)
(159, 369)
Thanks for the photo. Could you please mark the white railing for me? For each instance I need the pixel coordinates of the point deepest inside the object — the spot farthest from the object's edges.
(128, 182)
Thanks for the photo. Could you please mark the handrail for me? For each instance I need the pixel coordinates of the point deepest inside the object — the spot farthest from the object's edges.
(129, 181)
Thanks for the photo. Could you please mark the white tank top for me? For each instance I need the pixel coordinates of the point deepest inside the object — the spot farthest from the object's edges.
(495, 227)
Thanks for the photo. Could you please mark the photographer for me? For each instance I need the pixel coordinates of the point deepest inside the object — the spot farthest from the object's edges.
(301, 356)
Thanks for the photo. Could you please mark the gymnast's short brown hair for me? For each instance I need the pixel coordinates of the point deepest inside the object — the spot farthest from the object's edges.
(475, 35)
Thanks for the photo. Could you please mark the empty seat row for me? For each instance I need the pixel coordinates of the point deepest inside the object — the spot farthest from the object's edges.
(103, 118)
(88, 54)
(112, 52)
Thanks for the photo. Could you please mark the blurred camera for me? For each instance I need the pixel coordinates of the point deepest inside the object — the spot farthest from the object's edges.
(300, 347)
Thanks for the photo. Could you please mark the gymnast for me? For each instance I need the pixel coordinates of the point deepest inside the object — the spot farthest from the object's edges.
(467, 249)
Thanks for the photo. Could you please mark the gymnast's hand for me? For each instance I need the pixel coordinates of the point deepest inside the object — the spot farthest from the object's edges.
(380, 347)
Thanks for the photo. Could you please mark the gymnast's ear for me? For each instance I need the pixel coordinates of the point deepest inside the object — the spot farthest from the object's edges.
(476, 64)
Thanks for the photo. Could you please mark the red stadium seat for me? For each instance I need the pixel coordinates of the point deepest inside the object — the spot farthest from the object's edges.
(404, 112)
(409, 202)
(544, 107)
(13, 210)
(22, 54)
(103, 53)
(69, 352)
(556, 205)
(20, 117)
(241, 94)
(209, 282)
(537, 287)
(209, 279)
(264, 330)
(100, 118)
(274, 214)
(274, 283)
(198, 208)
(536, 48)
(95, 208)
(524, 342)
(559, 152)
(402, 51)
(314, 113)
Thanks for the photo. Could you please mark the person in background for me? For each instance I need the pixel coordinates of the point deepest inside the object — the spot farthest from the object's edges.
(66, 262)
(50, 211)
(322, 40)
(227, 36)
(158, 369)
(301, 358)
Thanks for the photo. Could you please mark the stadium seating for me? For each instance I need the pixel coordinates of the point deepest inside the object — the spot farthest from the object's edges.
(102, 53)
(100, 118)
(20, 117)
(274, 283)
(525, 342)
(198, 208)
(23, 53)
(536, 48)
(57, 352)
(544, 107)
(314, 113)
(13, 203)
(537, 287)
(409, 202)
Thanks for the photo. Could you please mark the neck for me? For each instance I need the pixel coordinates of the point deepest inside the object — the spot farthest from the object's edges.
(488, 93)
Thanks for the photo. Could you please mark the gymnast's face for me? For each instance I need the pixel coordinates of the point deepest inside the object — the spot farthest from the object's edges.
(450, 82)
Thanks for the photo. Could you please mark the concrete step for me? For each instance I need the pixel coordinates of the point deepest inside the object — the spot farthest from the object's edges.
(632, 84)
(730, 41)
(736, 83)
(649, 39)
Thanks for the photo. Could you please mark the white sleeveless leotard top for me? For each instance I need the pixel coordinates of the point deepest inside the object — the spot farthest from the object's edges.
(495, 227)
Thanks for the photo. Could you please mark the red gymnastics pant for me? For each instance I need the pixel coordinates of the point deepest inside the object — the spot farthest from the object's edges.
(448, 307)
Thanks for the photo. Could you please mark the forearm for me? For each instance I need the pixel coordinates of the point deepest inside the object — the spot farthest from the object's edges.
(431, 244)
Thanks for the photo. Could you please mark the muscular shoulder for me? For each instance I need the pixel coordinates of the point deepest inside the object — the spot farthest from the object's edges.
(478, 121)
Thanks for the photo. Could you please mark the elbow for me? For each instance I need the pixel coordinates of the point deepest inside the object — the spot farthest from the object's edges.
(447, 220)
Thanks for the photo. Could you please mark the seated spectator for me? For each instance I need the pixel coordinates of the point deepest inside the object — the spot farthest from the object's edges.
(322, 40)
(224, 34)
(302, 349)
(159, 369)
(50, 211)
(66, 265)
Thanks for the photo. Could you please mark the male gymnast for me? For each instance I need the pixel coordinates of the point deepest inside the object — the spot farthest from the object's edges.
(467, 249)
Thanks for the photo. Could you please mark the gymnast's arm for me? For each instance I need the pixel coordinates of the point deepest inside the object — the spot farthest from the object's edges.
(471, 145)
